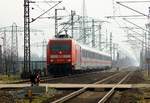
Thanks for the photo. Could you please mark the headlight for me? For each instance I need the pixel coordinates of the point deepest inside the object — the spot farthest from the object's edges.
(51, 60)
(69, 60)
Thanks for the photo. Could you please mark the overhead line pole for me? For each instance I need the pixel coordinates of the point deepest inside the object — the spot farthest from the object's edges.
(27, 35)
(56, 21)
(72, 23)
(111, 48)
(26, 39)
(93, 33)
(100, 37)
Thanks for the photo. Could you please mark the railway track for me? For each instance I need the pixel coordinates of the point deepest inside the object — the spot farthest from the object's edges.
(107, 96)
(113, 78)
(56, 79)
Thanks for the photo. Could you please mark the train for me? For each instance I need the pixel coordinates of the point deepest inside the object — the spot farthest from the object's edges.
(66, 56)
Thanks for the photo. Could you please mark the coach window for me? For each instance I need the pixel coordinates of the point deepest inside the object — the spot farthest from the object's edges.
(100, 57)
(83, 53)
(91, 55)
(106, 58)
(87, 54)
(95, 55)
(103, 58)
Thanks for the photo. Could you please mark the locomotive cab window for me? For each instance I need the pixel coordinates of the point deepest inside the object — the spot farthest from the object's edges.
(60, 47)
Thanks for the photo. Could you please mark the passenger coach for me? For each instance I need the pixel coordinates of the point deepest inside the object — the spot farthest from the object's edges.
(65, 55)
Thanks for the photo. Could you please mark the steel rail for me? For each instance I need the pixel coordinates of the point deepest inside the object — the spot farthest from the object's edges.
(73, 94)
(107, 96)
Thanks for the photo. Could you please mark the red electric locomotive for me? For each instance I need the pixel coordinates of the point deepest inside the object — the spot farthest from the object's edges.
(65, 55)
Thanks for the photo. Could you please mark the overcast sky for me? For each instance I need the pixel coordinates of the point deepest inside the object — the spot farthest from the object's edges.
(12, 11)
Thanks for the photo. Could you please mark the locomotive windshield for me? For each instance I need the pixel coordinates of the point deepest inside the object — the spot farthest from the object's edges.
(60, 47)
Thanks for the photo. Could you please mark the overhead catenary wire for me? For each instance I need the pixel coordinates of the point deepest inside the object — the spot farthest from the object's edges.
(134, 1)
(132, 9)
(45, 12)
(136, 25)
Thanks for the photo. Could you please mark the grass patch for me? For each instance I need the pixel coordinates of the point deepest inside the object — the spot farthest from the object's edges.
(36, 99)
(39, 98)
(146, 77)
(9, 78)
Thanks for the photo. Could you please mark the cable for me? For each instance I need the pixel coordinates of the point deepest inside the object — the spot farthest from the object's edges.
(43, 10)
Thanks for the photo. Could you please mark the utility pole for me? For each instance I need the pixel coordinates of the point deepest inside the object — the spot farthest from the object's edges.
(106, 39)
(56, 24)
(93, 33)
(141, 56)
(83, 23)
(56, 21)
(118, 61)
(26, 39)
(4, 52)
(27, 35)
(2, 59)
(148, 42)
(13, 30)
(113, 51)
(43, 52)
(111, 46)
(14, 48)
(72, 23)
(100, 36)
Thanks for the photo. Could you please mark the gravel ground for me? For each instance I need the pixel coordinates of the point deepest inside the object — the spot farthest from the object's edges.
(84, 78)
(131, 96)
(6, 97)
(57, 95)
(136, 78)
